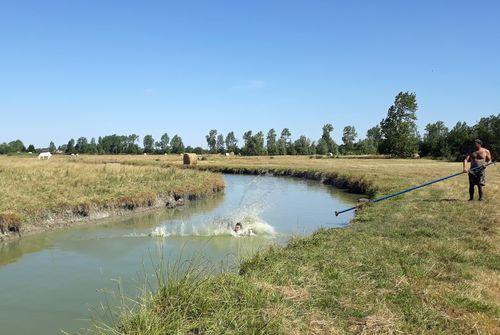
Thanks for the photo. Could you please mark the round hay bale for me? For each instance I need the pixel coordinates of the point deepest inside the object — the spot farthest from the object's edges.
(190, 159)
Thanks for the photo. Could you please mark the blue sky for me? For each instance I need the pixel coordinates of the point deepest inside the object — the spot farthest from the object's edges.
(88, 68)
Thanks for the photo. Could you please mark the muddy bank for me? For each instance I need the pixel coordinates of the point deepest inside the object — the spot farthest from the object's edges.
(94, 214)
(357, 185)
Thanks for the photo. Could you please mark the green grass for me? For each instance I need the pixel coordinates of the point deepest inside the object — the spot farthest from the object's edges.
(424, 263)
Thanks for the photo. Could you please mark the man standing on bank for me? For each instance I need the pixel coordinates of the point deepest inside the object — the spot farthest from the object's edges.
(478, 158)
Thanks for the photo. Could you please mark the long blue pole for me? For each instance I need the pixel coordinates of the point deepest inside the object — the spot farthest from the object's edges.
(385, 197)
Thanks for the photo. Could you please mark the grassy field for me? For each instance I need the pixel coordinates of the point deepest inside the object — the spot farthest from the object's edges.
(41, 194)
(427, 262)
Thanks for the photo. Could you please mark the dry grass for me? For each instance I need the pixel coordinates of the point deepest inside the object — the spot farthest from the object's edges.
(426, 262)
(36, 191)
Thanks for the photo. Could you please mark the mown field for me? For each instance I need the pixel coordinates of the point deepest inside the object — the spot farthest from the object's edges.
(41, 194)
(427, 262)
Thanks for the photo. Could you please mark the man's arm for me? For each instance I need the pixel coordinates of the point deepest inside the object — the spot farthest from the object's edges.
(488, 156)
(465, 163)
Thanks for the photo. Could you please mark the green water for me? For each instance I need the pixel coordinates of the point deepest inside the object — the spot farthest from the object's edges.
(57, 281)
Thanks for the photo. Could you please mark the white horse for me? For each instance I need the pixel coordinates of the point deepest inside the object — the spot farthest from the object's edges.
(45, 155)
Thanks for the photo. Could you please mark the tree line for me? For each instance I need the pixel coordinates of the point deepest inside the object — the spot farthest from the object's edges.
(396, 135)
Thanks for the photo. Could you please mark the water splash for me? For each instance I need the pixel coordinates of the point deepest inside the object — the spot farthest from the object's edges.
(251, 226)
(247, 213)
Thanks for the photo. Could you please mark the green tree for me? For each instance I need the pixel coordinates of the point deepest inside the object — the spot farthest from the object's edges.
(212, 140)
(322, 147)
(81, 145)
(165, 143)
(220, 144)
(284, 143)
(148, 143)
(128, 144)
(459, 140)
(231, 142)
(435, 140)
(92, 147)
(488, 130)
(254, 144)
(327, 138)
(373, 138)
(31, 148)
(272, 147)
(70, 147)
(177, 145)
(302, 146)
(52, 147)
(399, 130)
(349, 137)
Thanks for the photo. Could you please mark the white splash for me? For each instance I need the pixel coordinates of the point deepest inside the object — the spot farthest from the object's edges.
(251, 226)
(247, 214)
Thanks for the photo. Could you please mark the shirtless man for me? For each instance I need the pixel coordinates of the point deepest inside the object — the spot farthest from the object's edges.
(477, 160)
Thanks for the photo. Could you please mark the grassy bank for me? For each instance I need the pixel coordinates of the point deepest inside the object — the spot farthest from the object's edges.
(427, 262)
(44, 194)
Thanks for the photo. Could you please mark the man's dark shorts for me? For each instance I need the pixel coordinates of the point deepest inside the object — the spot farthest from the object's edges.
(477, 177)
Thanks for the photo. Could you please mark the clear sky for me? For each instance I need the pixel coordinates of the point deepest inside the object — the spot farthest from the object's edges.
(89, 68)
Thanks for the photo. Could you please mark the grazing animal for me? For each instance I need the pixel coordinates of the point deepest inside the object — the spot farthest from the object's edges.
(45, 155)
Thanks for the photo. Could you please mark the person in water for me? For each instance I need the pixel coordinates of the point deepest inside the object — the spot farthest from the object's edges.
(478, 158)
(237, 228)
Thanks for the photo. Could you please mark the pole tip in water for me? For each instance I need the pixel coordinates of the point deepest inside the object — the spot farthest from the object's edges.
(336, 213)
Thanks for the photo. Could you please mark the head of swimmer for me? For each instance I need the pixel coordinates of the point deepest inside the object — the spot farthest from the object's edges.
(237, 227)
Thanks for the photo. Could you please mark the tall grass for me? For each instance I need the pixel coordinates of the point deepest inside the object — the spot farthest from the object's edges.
(37, 191)
(427, 262)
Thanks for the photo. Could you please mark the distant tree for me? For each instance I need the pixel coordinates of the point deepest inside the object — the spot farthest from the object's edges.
(177, 145)
(81, 146)
(327, 138)
(302, 146)
(17, 146)
(322, 147)
(198, 150)
(70, 147)
(399, 130)
(31, 148)
(284, 143)
(488, 131)
(219, 145)
(258, 140)
(52, 147)
(128, 144)
(231, 142)
(92, 147)
(459, 140)
(164, 143)
(212, 140)
(374, 137)
(254, 144)
(272, 146)
(148, 143)
(349, 137)
(434, 142)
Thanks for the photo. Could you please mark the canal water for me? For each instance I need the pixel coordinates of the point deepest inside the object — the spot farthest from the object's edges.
(57, 281)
